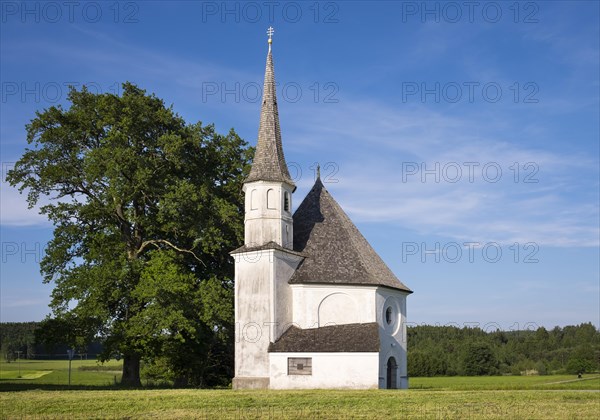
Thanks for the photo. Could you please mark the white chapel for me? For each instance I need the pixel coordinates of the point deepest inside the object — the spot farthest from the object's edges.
(315, 306)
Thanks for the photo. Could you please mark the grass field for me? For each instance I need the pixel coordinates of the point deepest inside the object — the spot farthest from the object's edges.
(466, 383)
(56, 372)
(93, 395)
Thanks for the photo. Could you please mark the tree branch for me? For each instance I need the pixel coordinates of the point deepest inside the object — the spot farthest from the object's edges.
(155, 242)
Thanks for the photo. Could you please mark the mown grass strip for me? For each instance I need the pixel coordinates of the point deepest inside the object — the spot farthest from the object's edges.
(318, 404)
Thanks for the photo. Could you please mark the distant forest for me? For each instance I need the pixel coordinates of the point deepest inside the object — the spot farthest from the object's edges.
(449, 351)
(31, 343)
(432, 350)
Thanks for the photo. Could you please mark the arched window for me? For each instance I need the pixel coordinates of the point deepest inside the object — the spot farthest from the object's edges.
(253, 200)
(271, 199)
(286, 201)
(389, 315)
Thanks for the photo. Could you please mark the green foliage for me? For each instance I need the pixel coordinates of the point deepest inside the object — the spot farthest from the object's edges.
(9, 351)
(158, 371)
(540, 367)
(449, 350)
(145, 209)
(577, 366)
(427, 364)
(17, 337)
(478, 359)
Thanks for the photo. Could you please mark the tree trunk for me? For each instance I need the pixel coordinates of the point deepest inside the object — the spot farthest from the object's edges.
(131, 370)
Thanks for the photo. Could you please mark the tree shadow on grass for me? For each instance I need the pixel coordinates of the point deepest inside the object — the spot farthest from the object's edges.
(17, 387)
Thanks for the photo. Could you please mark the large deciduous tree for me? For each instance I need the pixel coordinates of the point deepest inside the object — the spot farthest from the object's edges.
(145, 208)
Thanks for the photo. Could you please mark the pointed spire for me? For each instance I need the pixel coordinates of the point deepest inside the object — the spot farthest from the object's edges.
(269, 161)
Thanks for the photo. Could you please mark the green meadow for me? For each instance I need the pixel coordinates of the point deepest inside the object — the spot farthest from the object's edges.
(42, 392)
(490, 383)
(55, 373)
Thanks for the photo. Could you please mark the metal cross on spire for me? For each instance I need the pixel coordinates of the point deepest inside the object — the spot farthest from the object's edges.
(270, 32)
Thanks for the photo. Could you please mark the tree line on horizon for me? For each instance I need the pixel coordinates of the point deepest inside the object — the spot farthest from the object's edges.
(432, 350)
(451, 351)
(26, 340)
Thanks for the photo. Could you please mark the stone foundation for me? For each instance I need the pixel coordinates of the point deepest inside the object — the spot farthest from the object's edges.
(250, 383)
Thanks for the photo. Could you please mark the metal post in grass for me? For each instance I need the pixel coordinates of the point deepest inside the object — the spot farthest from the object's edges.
(70, 353)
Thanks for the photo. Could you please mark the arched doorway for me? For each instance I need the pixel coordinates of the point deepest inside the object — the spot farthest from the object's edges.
(392, 369)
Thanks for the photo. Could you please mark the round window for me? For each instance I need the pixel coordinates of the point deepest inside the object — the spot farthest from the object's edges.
(389, 315)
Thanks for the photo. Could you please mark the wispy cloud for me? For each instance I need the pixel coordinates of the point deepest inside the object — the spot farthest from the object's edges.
(532, 201)
(374, 141)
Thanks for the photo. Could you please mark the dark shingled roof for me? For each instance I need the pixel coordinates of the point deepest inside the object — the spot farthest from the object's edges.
(335, 338)
(336, 251)
(269, 161)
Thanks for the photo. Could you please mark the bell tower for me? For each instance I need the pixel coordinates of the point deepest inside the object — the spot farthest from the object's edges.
(269, 187)
(266, 262)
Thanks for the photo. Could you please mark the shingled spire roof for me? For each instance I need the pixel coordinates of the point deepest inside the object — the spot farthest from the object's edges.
(269, 161)
(336, 251)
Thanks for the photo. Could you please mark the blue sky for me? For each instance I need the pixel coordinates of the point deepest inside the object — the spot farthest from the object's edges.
(462, 139)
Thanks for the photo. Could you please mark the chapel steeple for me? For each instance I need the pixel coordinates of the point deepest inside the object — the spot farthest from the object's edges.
(315, 305)
(269, 161)
(269, 187)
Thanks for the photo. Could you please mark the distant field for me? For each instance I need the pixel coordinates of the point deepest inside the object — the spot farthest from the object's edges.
(56, 372)
(465, 383)
(91, 373)
(93, 395)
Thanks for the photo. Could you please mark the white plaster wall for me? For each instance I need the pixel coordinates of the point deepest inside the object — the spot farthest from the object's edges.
(329, 370)
(284, 265)
(392, 336)
(253, 275)
(321, 305)
(263, 306)
(264, 223)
